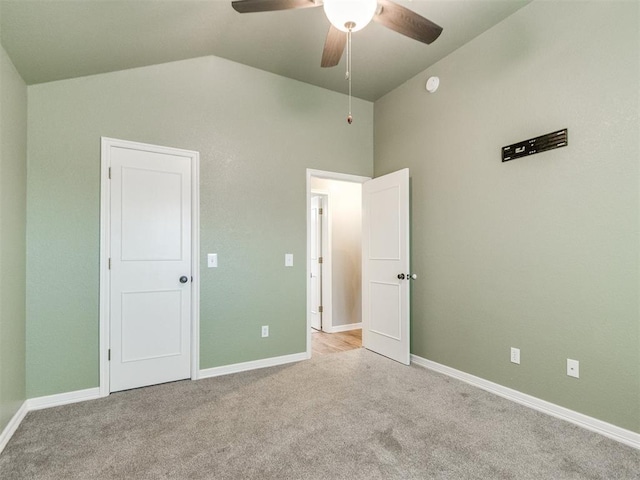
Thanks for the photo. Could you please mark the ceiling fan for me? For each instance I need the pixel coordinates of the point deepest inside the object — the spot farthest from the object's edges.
(348, 16)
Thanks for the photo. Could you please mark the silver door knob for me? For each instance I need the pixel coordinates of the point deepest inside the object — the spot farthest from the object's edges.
(401, 276)
(184, 279)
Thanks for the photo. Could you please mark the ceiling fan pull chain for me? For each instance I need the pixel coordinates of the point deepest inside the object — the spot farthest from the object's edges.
(349, 117)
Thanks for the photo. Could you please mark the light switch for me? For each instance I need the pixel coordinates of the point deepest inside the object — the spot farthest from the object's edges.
(212, 260)
(288, 259)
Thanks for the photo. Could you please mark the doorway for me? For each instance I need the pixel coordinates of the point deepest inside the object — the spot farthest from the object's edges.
(149, 265)
(334, 245)
(385, 262)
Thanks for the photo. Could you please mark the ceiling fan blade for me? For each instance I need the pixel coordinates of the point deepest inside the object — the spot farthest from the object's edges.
(251, 6)
(333, 47)
(404, 21)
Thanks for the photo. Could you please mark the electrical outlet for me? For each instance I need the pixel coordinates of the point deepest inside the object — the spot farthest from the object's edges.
(515, 355)
(265, 331)
(573, 368)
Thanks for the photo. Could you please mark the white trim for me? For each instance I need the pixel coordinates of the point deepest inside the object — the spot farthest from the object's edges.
(195, 266)
(619, 434)
(39, 403)
(59, 399)
(252, 365)
(49, 401)
(327, 286)
(344, 328)
(105, 248)
(13, 425)
(345, 177)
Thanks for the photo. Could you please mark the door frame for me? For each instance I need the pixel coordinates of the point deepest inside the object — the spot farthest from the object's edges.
(105, 248)
(325, 253)
(345, 177)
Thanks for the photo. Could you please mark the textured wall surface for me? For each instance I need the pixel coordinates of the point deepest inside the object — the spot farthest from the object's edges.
(539, 253)
(345, 202)
(13, 187)
(256, 132)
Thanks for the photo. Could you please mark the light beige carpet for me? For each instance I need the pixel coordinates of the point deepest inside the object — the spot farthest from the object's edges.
(351, 415)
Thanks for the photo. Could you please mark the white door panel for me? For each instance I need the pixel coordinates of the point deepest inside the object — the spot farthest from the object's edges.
(384, 225)
(385, 309)
(385, 255)
(150, 316)
(150, 252)
(151, 217)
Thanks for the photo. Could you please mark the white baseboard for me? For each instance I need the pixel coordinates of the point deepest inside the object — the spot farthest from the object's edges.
(253, 365)
(593, 424)
(342, 328)
(13, 425)
(39, 403)
(49, 401)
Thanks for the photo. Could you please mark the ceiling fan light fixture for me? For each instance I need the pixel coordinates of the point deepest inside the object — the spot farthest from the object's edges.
(350, 14)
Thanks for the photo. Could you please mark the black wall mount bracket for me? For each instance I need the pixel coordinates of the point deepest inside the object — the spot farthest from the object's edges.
(532, 146)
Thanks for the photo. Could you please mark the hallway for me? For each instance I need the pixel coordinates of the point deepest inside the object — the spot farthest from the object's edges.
(324, 343)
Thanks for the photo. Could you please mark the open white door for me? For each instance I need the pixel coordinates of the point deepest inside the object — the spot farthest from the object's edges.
(385, 265)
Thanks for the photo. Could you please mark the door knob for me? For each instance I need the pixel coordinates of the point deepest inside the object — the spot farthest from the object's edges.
(408, 276)
(184, 279)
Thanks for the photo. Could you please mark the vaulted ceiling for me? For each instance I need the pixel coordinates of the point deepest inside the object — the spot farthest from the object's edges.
(53, 40)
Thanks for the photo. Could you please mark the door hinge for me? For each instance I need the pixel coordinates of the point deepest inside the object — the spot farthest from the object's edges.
(320, 309)
(109, 173)
(320, 211)
(109, 263)
(109, 355)
(320, 259)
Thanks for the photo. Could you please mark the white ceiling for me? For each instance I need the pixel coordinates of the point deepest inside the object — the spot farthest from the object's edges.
(57, 39)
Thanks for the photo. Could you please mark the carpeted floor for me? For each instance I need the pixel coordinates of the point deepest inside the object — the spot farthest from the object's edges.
(351, 415)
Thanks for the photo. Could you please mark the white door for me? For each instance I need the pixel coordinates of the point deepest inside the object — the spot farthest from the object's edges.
(316, 265)
(150, 275)
(385, 265)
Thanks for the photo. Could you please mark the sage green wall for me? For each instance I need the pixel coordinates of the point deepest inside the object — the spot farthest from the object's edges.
(13, 183)
(256, 132)
(539, 253)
